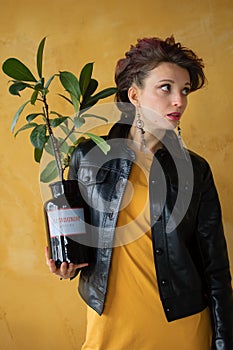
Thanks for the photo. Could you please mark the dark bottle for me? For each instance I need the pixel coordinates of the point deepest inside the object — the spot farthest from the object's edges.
(66, 215)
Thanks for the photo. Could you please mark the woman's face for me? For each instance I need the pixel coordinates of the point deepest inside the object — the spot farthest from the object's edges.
(163, 98)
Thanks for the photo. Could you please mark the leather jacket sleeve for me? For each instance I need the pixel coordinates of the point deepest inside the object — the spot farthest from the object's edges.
(215, 265)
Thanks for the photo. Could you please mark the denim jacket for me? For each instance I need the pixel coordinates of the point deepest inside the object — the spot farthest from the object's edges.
(190, 253)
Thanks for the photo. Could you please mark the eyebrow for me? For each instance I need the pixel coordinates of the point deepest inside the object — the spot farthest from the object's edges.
(172, 81)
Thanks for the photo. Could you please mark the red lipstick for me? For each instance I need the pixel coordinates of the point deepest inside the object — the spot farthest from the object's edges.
(174, 116)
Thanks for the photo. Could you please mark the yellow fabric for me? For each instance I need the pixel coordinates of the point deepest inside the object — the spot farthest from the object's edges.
(133, 317)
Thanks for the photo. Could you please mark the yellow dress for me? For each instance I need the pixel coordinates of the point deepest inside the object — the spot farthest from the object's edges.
(133, 317)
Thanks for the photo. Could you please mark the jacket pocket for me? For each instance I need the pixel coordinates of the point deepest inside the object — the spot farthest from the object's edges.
(90, 175)
(93, 185)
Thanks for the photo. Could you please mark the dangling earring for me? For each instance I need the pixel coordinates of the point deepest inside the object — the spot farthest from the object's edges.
(180, 140)
(179, 134)
(140, 125)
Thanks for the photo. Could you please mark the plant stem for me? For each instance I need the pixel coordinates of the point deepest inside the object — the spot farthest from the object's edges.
(53, 139)
(67, 136)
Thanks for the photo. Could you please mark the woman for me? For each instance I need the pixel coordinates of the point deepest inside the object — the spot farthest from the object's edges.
(161, 277)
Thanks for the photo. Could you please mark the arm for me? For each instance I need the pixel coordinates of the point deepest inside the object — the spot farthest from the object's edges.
(215, 262)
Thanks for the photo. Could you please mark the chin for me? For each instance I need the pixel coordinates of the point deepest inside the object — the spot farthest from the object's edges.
(170, 125)
(159, 129)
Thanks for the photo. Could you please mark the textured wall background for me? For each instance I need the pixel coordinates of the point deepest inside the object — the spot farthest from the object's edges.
(37, 311)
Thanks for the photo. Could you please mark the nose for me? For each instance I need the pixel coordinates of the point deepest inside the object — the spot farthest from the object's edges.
(178, 100)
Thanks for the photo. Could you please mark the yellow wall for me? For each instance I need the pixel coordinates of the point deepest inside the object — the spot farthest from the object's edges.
(37, 311)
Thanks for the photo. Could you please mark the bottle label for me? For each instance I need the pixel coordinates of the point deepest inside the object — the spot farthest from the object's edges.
(64, 222)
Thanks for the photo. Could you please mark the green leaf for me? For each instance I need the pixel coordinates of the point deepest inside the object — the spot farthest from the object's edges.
(56, 113)
(80, 139)
(49, 147)
(100, 95)
(38, 136)
(63, 145)
(34, 96)
(17, 70)
(91, 115)
(66, 98)
(38, 154)
(16, 87)
(50, 172)
(17, 115)
(71, 150)
(85, 77)
(32, 116)
(93, 84)
(78, 122)
(104, 93)
(57, 121)
(49, 81)
(101, 143)
(26, 126)
(40, 57)
(39, 84)
(75, 103)
(71, 84)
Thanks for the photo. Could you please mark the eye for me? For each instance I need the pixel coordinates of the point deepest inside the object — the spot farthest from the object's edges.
(165, 87)
(186, 91)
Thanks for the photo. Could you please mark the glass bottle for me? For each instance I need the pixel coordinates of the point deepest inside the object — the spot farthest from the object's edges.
(66, 215)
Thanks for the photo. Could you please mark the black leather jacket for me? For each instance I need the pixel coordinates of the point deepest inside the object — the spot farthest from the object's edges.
(190, 253)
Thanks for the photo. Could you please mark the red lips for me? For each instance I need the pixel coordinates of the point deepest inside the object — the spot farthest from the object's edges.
(174, 116)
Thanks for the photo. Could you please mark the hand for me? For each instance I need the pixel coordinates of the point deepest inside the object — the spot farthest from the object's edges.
(65, 270)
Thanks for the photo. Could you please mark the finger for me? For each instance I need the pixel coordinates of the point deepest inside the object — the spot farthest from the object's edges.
(63, 269)
(79, 266)
(52, 266)
(73, 267)
(68, 271)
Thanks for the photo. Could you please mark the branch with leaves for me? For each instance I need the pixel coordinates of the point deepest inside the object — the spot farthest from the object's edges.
(81, 95)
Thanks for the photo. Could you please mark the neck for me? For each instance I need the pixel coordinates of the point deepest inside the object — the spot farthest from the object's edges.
(152, 142)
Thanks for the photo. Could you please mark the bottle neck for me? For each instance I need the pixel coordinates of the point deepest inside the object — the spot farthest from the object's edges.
(66, 187)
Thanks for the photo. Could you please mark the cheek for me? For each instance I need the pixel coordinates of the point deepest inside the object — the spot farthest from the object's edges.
(153, 102)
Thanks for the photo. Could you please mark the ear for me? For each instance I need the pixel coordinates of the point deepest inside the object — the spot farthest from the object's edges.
(133, 95)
